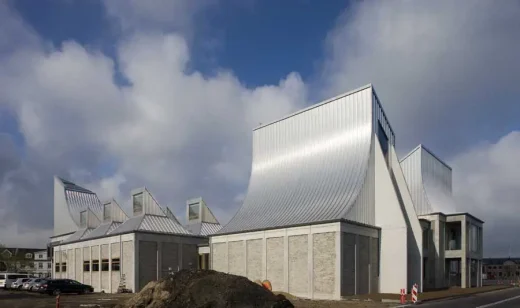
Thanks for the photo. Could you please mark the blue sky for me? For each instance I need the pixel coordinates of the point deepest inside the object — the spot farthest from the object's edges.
(120, 94)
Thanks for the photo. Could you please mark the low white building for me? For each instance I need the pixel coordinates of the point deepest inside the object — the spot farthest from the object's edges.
(98, 244)
(328, 212)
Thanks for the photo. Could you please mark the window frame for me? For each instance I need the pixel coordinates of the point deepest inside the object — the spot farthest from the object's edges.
(139, 197)
(115, 264)
(86, 266)
(83, 219)
(105, 265)
(95, 266)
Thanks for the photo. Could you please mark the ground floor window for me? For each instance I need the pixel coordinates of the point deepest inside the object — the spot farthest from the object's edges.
(63, 267)
(57, 268)
(116, 264)
(104, 265)
(95, 265)
(86, 266)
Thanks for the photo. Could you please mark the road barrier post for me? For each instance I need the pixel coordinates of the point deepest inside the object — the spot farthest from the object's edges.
(403, 296)
(414, 293)
(58, 301)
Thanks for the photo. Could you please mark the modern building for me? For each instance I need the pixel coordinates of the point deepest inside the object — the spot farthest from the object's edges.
(99, 244)
(453, 245)
(32, 261)
(329, 211)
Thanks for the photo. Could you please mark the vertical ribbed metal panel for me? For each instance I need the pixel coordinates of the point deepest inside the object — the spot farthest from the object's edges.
(92, 220)
(411, 166)
(429, 181)
(150, 205)
(310, 166)
(79, 201)
(363, 210)
(436, 177)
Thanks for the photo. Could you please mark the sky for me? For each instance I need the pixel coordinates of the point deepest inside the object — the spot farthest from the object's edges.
(116, 95)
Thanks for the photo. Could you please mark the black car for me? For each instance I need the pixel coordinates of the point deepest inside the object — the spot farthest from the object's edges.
(58, 286)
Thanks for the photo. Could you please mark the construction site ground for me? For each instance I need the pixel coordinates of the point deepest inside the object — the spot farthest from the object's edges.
(17, 299)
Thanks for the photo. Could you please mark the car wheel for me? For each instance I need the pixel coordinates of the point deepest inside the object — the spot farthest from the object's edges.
(56, 292)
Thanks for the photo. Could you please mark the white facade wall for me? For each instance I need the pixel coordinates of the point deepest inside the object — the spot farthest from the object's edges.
(143, 257)
(304, 261)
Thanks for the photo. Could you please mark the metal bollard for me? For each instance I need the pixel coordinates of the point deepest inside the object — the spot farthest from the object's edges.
(58, 301)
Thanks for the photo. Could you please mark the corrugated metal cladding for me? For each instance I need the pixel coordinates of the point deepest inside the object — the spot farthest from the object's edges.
(429, 182)
(161, 224)
(310, 166)
(78, 201)
(209, 228)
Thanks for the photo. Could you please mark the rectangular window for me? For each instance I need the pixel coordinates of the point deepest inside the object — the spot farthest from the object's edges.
(115, 264)
(49, 265)
(40, 265)
(95, 265)
(86, 266)
(106, 212)
(83, 219)
(40, 256)
(426, 239)
(193, 211)
(138, 203)
(63, 267)
(57, 268)
(104, 265)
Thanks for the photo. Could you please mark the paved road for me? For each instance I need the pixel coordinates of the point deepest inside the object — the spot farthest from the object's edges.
(509, 298)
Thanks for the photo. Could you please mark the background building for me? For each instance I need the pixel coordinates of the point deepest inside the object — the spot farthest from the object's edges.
(501, 268)
(32, 261)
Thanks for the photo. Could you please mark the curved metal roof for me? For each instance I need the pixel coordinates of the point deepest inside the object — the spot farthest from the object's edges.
(310, 166)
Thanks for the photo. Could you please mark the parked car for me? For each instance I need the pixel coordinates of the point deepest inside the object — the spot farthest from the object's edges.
(36, 285)
(17, 285)
(30, 283)
(6, 279)
(58, 286)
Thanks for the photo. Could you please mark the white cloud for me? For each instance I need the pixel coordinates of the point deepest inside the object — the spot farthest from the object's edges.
(486, 179)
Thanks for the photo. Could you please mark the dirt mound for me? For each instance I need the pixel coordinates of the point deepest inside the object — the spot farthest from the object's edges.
(205, 289)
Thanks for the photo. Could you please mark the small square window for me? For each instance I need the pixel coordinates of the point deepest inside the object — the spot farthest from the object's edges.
(95, 265)
(116, 264)
(86, 266)
(28, 255)
(138, 203)
(105, 265)
(83, 219)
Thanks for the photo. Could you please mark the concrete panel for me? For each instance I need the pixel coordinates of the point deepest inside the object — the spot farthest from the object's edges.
(115, 281)
(71, 264)
(86, 278)
(169, 257)
(147, 262)
(105, 277)
(190, 256)
(219, 255)
(115, 250)
(95, 281)
(78, 267)
(374, 265)
(362, 263)
(298, 264)
(237, 258)
(324, 254)
(254, 259)
(128, 264)
(86, 253)
(95, 253)
(348, 270)
(275, 262)
(104, 251)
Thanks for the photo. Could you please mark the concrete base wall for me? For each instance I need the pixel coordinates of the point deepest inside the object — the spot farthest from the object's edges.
(155, 254)
(304, 261)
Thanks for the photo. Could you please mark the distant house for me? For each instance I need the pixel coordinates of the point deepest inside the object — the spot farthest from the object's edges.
(501, 268)
(25, 260)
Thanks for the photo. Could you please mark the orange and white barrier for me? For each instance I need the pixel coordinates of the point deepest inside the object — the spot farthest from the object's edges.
(414, 293)
(403, 296)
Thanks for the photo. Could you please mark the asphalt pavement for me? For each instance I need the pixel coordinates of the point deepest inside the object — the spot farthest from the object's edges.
(509, 298)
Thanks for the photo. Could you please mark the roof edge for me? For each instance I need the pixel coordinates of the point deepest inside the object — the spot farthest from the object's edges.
(321, 103)
(421, 146)
(128, 232)
(299, 225)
